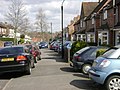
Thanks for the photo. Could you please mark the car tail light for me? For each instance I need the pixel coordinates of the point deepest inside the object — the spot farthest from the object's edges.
(78, 58)
(20, 58)
(104, 63)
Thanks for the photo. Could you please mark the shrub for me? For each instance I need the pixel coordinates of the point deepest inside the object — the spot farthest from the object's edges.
(7, 39)
(22, 36)
(21, 41)
(100, 52)
(77, 46)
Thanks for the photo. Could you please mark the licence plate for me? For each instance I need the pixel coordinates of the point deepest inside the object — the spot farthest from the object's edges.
(7, 59)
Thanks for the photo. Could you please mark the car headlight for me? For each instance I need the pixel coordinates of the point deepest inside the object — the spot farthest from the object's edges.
(105, 63)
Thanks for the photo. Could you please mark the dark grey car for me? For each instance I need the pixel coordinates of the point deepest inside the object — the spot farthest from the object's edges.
(84, 58)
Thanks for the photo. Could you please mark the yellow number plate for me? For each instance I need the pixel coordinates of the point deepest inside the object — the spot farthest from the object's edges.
(7, 59)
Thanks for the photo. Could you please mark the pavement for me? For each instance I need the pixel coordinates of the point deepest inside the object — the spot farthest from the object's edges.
(51, 73)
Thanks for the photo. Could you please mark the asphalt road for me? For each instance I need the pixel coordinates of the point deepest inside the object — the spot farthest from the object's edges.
(51, 73)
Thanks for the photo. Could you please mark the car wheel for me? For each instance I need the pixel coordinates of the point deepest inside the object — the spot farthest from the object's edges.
(85, 68)
(28, 70)
(113, 83)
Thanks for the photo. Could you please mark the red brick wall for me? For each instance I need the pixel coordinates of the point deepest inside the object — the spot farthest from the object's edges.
(89, 25)
(97, 23)
(110, 19)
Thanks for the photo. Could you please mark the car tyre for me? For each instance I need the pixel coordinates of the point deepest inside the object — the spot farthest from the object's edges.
(113, 83)
(28, 70)
(85, 68)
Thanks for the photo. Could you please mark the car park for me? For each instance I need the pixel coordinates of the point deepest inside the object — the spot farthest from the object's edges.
(84, 58)
(106, 69)
(16, 58)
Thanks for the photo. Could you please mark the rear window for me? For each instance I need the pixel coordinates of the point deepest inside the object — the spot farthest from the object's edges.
(109, 52)
(11, 50)
(82, 50)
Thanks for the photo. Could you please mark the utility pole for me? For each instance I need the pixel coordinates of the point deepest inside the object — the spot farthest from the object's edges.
(51, 31)
(62, 27)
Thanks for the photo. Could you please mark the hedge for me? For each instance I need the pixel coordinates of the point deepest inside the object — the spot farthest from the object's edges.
(77, 46)
(100, 52)
(7, 39)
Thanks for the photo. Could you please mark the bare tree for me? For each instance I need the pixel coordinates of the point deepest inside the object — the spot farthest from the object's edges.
(41, 22)
(25, 26)
(16, 15)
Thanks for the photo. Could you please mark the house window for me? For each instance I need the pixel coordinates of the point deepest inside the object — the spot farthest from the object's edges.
(104, 38)
(93, 20)
(83, 37)
(117, 37)
(81, 23)
(90, 37)
(78, 37)
(105, 14)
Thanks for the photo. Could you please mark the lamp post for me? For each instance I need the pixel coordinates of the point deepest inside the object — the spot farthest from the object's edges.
(62, 26)
(51, 31)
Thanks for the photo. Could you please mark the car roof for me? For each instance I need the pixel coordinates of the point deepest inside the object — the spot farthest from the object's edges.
(14, 46)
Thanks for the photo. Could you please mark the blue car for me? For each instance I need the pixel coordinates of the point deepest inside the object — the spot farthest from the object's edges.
(106, 69)
(8, 43)
(43, 45)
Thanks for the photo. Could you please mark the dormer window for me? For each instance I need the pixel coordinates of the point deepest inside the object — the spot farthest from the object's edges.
(105, 14)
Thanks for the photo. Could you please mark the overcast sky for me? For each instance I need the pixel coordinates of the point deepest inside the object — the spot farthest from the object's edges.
(52, 9)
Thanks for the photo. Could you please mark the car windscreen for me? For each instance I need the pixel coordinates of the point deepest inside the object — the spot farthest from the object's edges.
(11, 50)
(43, 43)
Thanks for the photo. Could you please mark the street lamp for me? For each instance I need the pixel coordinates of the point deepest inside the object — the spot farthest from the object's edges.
(51, 31)
(62, 26)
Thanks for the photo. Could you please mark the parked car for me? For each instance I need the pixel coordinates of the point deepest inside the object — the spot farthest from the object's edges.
(60, 48)
(35, 51)
(43, 45)
(56, 46)
(16, 58)
(84, 58)
(106, 69)
(51, 46)
(8, 43)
